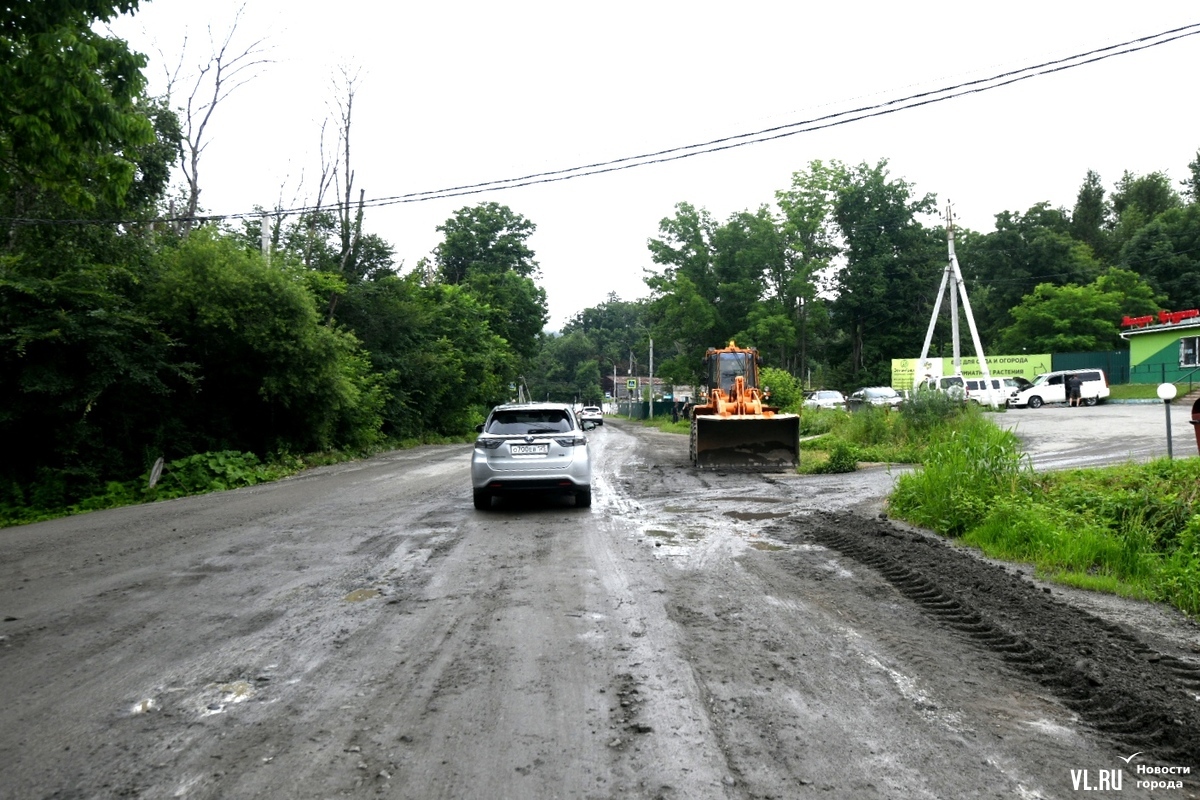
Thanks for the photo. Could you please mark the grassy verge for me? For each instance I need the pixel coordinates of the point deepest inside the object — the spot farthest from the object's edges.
(836, 441)
(1132, 529)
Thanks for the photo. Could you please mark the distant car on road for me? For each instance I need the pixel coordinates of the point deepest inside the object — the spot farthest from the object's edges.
(531, 448)
(884, 396)
(591, 414)
(825, 398)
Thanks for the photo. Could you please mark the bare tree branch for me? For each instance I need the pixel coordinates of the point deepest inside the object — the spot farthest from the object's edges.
(225, 71)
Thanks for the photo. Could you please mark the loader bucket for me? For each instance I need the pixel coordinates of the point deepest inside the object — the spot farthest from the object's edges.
(746, 442)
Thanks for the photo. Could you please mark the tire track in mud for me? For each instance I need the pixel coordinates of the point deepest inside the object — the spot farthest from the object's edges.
(1098, 669)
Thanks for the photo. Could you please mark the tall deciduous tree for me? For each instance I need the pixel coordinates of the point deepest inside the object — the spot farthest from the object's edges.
(225, 69)
(714, 278)
(810, 249)
(1025, 251)
(886, 288)
(1191, 184)
(616, 328)
(1166, 253)
(1137, 200)
(1074, 319)
(486, 251)
(485, 239)
(69, 115)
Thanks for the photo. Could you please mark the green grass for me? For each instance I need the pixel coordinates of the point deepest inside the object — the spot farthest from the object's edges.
(1143, 391)
(664, 424)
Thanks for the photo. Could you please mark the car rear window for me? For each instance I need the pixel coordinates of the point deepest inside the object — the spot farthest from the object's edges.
(521, 422)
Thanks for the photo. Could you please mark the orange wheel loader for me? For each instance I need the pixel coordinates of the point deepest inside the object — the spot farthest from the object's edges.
(732, 427)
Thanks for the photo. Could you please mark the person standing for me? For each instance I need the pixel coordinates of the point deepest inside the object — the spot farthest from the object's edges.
(1073, 387)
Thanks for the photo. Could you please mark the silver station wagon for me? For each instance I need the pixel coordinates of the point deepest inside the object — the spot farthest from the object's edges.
(531, 448)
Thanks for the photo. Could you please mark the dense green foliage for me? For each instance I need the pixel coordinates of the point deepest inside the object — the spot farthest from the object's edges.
(69, 116)
(121, 343)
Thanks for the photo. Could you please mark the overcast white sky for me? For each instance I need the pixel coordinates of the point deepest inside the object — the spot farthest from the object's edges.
(453, 93)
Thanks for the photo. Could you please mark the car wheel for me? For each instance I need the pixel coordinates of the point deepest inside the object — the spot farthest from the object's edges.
(583, 497)
(482, 498)
(1091, 401)
(1035, 402)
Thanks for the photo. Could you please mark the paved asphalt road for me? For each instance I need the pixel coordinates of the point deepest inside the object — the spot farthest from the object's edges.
(1060, 437)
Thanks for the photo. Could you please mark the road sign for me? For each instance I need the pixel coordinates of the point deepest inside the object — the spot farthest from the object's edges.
(631, 384)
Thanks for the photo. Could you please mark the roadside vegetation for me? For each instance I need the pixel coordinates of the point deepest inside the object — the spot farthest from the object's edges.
(835, 441)
(1131, 529)
(199, 473)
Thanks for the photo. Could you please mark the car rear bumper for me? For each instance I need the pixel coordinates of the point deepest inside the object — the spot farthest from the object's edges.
(576, 474)
(500, 486)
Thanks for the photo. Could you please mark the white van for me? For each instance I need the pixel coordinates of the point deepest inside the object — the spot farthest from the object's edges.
(952, 385)
(1002, 390)
(1051, 387)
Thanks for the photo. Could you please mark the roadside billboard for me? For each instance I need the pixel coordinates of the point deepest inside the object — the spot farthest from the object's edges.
(906, 371)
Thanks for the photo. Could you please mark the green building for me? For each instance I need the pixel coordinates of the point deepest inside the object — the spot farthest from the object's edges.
(1164, 351)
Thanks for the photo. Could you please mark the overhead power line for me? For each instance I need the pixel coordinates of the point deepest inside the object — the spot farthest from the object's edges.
(834, 119)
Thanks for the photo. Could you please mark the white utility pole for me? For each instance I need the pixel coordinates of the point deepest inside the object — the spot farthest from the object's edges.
(953, 273)
(651, 379)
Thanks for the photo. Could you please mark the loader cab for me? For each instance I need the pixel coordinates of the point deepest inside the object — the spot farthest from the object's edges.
(724, 368)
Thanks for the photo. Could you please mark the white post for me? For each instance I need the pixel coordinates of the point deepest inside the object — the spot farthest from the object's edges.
(266, 240)
(651, 407)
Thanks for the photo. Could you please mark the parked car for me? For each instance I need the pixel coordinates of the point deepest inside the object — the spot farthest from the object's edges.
(825, 398)
(1050, 387)
(591, 414)
(875, 396)
(531, 448)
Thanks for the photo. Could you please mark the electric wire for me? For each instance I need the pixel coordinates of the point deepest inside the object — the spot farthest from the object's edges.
(858, 114)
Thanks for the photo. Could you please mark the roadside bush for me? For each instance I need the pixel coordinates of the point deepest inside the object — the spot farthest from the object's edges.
(967, 467)
(786, 394)
(869, 425)
(926, 410)
(817, 421)
(1179, 576)
(842, 458)
(211, 472)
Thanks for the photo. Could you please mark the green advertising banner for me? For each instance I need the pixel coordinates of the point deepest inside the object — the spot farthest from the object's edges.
(905, 371)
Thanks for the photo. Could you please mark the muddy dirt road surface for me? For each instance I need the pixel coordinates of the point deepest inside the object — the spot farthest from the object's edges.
(361, 631)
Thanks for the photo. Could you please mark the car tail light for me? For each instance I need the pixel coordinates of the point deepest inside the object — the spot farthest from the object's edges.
(571, 441)
(488, 444)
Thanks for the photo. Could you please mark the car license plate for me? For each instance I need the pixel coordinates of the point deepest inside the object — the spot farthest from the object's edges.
(530, 449)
